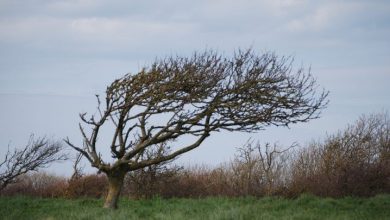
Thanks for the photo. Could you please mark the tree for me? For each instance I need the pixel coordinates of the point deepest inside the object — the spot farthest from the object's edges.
(261, 168)
(194, 96)
(77, 168)
(38, 153)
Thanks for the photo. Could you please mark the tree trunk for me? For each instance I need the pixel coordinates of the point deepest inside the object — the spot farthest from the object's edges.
(115, 183)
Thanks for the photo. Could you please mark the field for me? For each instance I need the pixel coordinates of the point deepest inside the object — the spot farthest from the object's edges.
(304, 207)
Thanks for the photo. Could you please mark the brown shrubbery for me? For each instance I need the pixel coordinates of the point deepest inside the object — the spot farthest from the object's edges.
(93, 185)
(37, 185)
(155, 180)
(354, 162)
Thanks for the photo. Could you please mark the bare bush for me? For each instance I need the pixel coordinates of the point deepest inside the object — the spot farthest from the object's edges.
(38, 185)
(355, 161)
(152, 180)
(38, 153)
(260, 170)
(201, 181)
(255, 171)
(92, 185)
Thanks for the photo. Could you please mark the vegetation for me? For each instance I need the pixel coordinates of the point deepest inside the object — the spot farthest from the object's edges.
(353, 162)
(38, 153)
(349, 171)
(304, 207)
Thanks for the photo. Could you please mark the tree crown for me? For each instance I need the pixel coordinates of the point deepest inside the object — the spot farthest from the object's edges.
(196, 96)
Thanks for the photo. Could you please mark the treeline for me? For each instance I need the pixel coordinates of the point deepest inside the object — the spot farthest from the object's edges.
(353, 162)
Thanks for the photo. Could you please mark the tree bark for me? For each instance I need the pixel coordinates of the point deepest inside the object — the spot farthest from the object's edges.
(115, 183)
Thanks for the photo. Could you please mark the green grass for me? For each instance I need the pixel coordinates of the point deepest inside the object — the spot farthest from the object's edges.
(305, 207)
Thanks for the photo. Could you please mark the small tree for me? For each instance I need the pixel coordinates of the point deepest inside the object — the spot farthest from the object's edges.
(260, 170)
(194, 96)
(77, 168)
(37, 154)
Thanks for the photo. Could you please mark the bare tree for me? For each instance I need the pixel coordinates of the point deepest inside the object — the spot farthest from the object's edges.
(38, 153)
(259, 170)
(195, 96)
(273, 162)
(77, 168)
(246, 170)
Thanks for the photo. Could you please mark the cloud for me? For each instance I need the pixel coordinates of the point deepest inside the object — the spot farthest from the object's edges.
(97, 25)
(16, 30)
(102, 28)
(338, 16)
(74, 5)
(130, 28)
(315, 22)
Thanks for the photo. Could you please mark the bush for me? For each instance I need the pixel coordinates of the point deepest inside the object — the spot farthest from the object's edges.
(155, 180)
(355, 161)
(254, 172)
(93, 185)
(38, 185)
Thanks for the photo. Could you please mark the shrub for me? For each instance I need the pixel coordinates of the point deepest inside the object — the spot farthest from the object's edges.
(38, 185)
(93, 185)
(355, 161)
(155, 180)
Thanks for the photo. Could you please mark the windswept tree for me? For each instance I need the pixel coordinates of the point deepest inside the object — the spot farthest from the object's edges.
(194, 96)
(38, 153)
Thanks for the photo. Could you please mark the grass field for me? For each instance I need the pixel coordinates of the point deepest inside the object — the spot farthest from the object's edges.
(304, 207)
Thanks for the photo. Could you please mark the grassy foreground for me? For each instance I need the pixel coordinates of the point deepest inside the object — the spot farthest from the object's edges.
(305, 207)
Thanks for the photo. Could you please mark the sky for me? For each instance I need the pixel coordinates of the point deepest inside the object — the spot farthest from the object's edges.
(55, 55)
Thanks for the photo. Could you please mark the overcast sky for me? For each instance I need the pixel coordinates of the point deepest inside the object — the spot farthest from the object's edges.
(56, 54)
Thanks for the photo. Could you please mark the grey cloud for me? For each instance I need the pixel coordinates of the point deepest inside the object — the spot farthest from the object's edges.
(34, 33)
